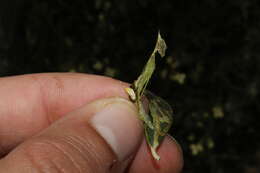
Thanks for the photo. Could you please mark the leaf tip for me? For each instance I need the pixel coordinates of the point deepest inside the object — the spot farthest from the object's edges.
(154, 153)
(160, 45)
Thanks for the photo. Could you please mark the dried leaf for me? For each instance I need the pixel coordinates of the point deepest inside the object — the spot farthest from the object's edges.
(158, 120)
(142, 81)
(161, 115)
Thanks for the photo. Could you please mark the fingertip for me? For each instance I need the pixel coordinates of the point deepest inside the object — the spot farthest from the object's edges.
(172, 155)
(171, 158)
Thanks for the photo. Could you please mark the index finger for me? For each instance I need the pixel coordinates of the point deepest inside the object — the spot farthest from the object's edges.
(30, 103)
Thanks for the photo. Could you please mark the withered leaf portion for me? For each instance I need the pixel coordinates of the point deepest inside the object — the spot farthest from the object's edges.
(161, 115)
(142, 81)
(158, 120)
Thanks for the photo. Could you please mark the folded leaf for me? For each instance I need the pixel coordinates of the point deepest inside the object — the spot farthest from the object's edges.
(158, 120)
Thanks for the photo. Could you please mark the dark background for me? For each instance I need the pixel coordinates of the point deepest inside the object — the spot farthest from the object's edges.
(210, 75)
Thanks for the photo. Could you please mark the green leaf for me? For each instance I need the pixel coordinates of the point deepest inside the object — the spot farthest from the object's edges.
(158, 120)
(142, 81)
(161, 114)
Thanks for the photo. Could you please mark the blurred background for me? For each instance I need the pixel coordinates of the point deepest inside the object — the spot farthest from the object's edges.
(210, 74)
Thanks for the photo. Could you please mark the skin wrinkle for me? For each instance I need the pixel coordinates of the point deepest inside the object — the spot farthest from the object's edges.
(34, 164)
(47, 86)
(68, 156)
(34, 156)
(58, 90)
(42, 98)
(96, 157)
(56, 167)
(75, 142)
(52, 88)
(39, 168)
(90, 144)
(92, 156)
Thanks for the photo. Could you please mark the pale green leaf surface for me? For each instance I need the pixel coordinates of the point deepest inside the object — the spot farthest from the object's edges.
(158, 120)
(142, 81)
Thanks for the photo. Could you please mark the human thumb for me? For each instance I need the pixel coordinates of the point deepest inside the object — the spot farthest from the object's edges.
(99, 137)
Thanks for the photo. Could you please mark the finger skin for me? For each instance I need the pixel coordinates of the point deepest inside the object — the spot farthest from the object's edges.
(30, 103)
(70, 144)
(171, 158)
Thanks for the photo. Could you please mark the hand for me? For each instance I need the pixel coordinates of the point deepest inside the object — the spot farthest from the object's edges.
(75, 123)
